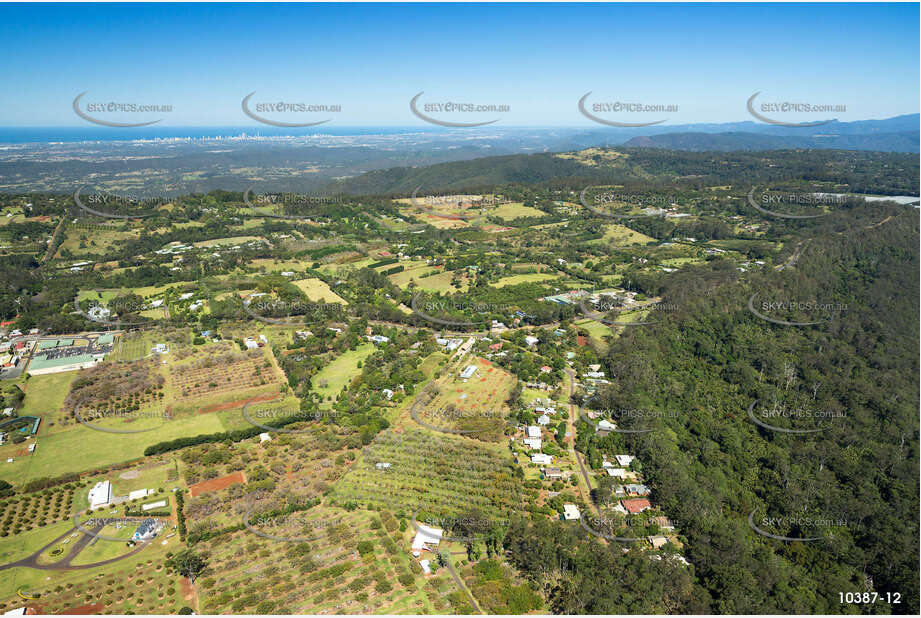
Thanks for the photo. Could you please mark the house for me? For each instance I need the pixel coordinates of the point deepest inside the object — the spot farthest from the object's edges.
(531, 340)
(635, 489)
(663, 523)
(159, 348)
(636, 505)
(553, 473)
(604, 425)
(624, 460)
(379, 339)
(383, 465)
(535, 443)
(100, 494)
(468, 372)
(541, 459)
(137, 494)
(250, 343)
(425, 567)
(546, 369)
(570, 512)
(147, 530)
(618, 473)
(387, 393)
(543, 420)
(264, 437)
(533, 431)
(426, 536)
(657, 541)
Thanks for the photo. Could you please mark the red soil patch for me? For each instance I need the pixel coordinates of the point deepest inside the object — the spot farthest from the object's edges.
(215, 484)
(230, 405)
(186, 588)
(93, 608)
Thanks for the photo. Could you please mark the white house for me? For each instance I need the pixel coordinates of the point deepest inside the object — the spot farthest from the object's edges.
(534, 443)
(264, 437)
(533, 431)
(543, 420)
(624, 460)
(541, 459)
(531, 340)
(618, 473)
(571, 511)
(425, 536)
(604, 425)
(425, 567)
(468, 372)
(100, 494)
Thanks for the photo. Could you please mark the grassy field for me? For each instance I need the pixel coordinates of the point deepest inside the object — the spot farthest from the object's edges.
(79, 241)
(526, 278)
(318, 291)
(479, 402)
(331, 379)
(223, 242)
(597, 332)
(87, 449)
(45, 394)
(515, 210)
(621, 235)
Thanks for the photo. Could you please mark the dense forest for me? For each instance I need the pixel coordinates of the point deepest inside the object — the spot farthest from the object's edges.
(710, 466)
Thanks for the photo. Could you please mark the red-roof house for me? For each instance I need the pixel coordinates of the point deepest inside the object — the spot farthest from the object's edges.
(636, 505)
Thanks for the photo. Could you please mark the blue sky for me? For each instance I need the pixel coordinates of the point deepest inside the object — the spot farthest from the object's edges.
(538, 59)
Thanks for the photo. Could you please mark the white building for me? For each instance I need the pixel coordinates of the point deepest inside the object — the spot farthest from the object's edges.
(426, 536)
(624, 460)
(100, 494)
(571, 511)
(533, 431)
(468, 372)
(618, 473)
(542, 459)
(606, 425)
(543, 420)
(535, 443)
(531, 340)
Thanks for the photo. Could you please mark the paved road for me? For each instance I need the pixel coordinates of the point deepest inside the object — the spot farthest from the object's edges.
(65, 563)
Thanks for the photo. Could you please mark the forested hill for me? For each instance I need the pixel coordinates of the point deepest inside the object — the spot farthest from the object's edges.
(855, 171)
(852, 484)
